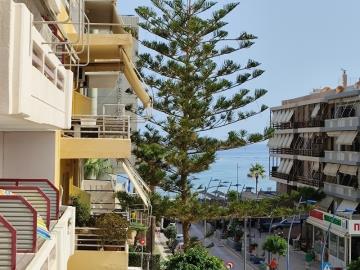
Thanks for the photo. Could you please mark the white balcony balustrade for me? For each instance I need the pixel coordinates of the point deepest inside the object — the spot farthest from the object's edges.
(35, 88)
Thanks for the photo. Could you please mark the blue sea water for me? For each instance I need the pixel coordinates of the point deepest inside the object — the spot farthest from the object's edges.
(227, 161)
(225, 166)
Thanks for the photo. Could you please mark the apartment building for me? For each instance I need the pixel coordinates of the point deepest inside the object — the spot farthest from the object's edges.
(55, 55)
(316, 144)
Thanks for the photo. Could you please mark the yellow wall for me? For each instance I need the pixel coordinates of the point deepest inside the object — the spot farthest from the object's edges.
(73, 148)
(69, 177)
(96, 260)
(81, 104)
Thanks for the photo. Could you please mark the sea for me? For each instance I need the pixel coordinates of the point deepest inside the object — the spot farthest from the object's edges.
(233, 165)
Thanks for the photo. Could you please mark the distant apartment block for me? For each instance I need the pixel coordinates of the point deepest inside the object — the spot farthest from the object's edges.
(317, 144)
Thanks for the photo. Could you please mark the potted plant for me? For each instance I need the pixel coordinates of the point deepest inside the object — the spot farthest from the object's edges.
(112, 230)
(95, 167)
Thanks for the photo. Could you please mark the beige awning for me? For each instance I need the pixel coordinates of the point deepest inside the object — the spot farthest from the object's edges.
(283, 164)
(289, 114)
(316, 166)
(347, 169)
(331, 169)
(347, 205)
(346, 138)
(333, 133)
(275, 116)
(134, 81)
(315, 111)
(140, 186)
(287, 169)
(325, 203)
(289, 140)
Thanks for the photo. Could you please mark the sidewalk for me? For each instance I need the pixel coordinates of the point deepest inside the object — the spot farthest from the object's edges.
(161, 246)
(297, 258)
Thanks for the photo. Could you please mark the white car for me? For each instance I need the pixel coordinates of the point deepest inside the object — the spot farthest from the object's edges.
(179, 237)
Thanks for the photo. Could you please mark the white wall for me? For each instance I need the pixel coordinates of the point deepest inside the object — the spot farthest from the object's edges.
(29, 155)
(25, 91)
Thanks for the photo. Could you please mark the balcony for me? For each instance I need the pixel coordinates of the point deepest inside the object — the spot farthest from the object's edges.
(36, 89)
(97, 136)
(297, 125)
(280, 175)
(298, 152)
(22, 201)
(345, 192)
(309, 181)
(344, 157)
(349, 123)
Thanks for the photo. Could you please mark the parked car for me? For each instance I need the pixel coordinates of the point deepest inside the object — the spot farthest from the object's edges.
(179, 237)
(285, 223)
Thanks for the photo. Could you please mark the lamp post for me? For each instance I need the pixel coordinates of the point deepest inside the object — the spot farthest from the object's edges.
(346, 210)
(291, 225)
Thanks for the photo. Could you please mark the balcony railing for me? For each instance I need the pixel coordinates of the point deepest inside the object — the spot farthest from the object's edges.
(280, 175)
(348, 157)
(295, 125)
(341, 191)
(99, 126)
(348, 123)
(300, 152)
(309, 181)
(301, 179)
(21, 203)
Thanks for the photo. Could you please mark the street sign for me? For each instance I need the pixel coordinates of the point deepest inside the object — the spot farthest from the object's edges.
(229, 265)
(326, 266)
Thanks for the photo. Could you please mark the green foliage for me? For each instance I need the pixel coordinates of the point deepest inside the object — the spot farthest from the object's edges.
(126, 200)
(195, 258)
(275, 245)
(135, 260)
(354, 265)
(136, 226)
(256, 170)
(160, 205)
(96, 167)
(235, 230)
(82, 213)
(198, 88)
(232, 196)
(112, 228)
(170, 232)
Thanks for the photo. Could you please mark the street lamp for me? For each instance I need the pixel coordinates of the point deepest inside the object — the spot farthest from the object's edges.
(307, 202)
(346, 210)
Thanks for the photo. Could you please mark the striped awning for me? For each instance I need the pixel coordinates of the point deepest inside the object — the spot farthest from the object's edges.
(347, 169)
(281, 141)
(315, 111)
(346, 137)
(331, 169)
(285, 166)
(140, 186)
(282, 116)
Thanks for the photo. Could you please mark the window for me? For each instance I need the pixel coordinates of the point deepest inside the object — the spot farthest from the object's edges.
(333, 244)
(341, 254)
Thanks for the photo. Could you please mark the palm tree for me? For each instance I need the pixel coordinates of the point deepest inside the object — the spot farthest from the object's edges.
(256, 170)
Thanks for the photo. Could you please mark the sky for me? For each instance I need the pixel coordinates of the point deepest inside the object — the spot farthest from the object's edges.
(302, 45)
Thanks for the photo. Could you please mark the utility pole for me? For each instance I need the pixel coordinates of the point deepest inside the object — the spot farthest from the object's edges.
(237, 180)
(245, 221)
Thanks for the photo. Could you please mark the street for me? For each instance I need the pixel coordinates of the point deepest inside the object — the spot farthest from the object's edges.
(297, 258)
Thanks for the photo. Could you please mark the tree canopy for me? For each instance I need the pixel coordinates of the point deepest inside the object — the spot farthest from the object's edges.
(194, 258)
(200, 85)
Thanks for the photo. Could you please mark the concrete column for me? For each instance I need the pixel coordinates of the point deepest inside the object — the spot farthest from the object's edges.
(93, 94)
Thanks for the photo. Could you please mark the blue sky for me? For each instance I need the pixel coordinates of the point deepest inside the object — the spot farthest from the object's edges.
(302, 45)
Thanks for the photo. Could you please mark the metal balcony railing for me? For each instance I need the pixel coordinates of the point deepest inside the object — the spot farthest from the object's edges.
(99, 126)
(309, 181)
(304, 124)
(283, 176)
(300, 152)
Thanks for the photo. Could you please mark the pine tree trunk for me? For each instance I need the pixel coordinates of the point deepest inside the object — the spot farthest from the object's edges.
(186, 233)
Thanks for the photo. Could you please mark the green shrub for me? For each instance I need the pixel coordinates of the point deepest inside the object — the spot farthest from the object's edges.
(82, 214)
(112, 228)
(170, 232)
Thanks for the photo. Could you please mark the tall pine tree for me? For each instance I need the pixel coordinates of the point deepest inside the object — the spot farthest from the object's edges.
(197, 90)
